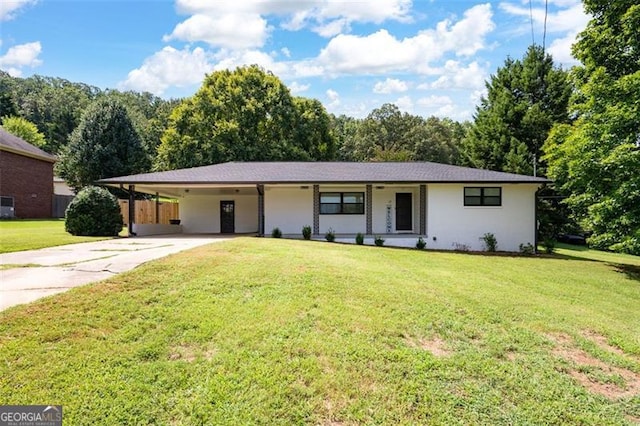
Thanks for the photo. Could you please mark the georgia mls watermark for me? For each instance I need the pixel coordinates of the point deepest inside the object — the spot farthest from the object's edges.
(30, 415)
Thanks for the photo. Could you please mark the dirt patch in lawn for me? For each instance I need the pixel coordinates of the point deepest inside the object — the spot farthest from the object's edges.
(594, 374)
(603, 343)
(435, 345)
(190, 353)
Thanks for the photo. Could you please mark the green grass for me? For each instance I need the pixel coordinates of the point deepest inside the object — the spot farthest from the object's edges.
(264, 331)
(19, 235)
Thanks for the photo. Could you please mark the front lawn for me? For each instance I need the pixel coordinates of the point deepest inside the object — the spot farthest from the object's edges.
(266, 331)
(19, 235)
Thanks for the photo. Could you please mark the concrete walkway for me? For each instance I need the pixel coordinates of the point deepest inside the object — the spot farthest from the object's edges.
(56, 269)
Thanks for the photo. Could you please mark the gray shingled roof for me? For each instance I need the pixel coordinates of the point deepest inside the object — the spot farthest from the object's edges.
(323, 172)
(12, 143)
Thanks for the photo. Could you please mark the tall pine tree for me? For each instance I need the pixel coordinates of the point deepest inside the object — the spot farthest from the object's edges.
(525, 99)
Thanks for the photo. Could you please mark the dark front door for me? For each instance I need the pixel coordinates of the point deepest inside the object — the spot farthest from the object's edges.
(404, 220)
(227, 217)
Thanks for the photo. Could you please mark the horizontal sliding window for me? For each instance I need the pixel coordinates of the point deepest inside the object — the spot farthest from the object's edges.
(342, 203)
(482, 196)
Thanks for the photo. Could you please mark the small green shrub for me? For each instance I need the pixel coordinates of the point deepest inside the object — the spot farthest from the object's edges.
(490, 242)
(421, 243)
(527, 249)
(93, 212)
(549, 245)
(306, 232)
(359, 238)
(330, 235)
(378, 240)
(276, 233)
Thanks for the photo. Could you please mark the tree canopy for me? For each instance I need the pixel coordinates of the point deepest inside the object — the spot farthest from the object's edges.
(387, 134)
(525, 99)
(596, 159)
(244, 115)
(105, 144)
(24, 129)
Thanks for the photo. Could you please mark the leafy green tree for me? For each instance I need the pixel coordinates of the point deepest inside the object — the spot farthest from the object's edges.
(149, 114)
(105, 144)
(596, 159)
(438, 140)
(345, 129)
(24, 129)
(382, 136)
(387, 134)
(525, 99)
(8, 106)
(54, 105)
(244, 115)
(313, 135)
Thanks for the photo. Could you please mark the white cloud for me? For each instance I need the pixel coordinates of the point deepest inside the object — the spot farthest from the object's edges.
(333, 28)
(235, 31)
(573, 18)
(243, 24)
(381, 52)
(169, 67)
(329, 17)
(8, 8)
(286, 52)
(404, 103)
(390, 85)
(20, 56)
(456, 76)
(296, 87)
(231, 59)
(566, 21)
(334, 98)
(435, 101)
(560, 50)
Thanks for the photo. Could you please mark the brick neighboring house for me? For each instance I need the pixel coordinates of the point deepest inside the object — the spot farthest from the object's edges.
(26, 178)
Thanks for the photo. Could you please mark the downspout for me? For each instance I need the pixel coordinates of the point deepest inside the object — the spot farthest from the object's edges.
(132, 210)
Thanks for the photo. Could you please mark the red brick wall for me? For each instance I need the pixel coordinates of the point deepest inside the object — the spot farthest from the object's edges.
(29, 182)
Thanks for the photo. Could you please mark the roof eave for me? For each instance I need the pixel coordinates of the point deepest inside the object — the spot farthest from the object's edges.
(49, 159)
(319, 182)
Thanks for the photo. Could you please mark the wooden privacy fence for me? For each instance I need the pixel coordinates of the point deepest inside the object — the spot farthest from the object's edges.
(146, 211)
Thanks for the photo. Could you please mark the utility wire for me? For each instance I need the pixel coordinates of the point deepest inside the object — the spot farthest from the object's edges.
(544, 32)
(533, 39)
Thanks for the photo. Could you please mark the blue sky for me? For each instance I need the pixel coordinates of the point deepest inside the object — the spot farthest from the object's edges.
(429, 57)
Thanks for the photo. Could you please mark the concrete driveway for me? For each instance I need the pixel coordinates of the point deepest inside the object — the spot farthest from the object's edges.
(56, 269)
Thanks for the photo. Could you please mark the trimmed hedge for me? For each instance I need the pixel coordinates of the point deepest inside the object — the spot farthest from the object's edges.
(93, 212)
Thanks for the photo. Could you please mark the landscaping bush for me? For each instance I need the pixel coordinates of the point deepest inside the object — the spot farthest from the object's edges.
(276, 233)
(526, 249)
(93, 212)
(378, 240)
(490, 241)
(306, 232)
(330, 235)
(359, 238)
(549, 245)
(421, 243)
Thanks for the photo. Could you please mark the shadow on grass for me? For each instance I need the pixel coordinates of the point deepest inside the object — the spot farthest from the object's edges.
(630, 270)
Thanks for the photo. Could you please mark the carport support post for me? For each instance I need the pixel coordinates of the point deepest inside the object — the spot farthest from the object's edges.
(260, 189)
(157, 207)
(132, 209)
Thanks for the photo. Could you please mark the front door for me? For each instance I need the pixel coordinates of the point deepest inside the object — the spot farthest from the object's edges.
(404, 221)
(227, 217)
